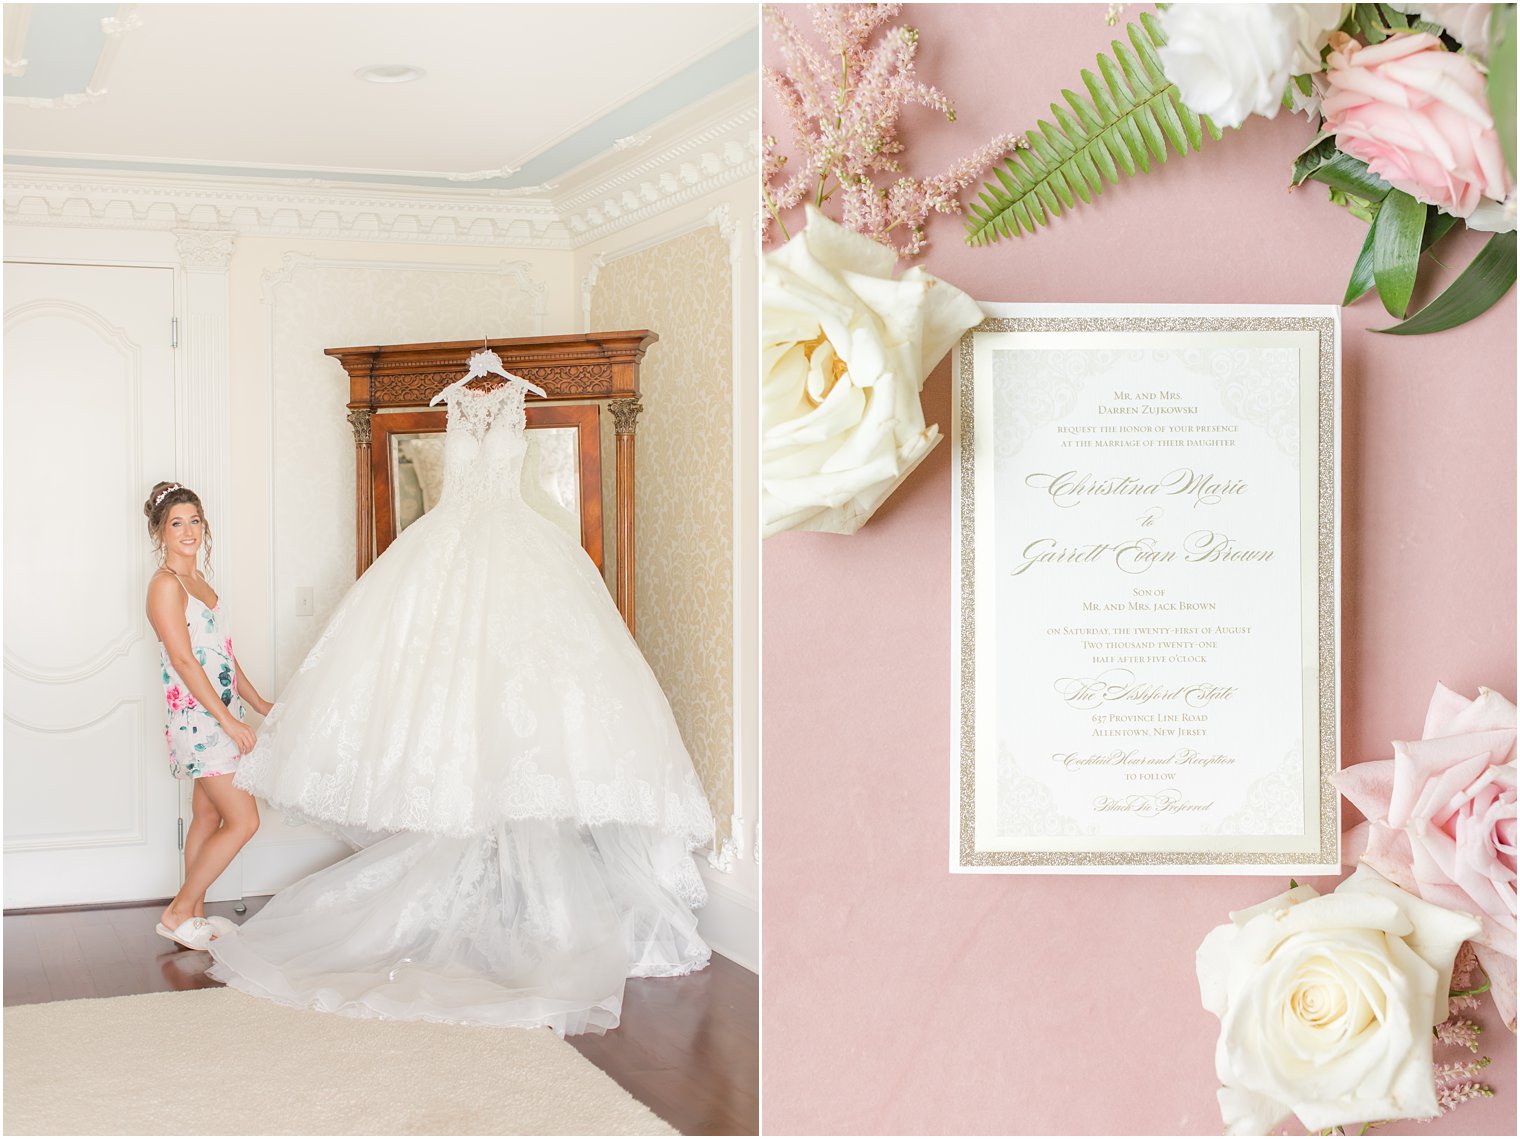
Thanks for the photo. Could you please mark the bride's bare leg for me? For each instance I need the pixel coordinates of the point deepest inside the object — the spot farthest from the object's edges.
(240, 822)
(205, 819)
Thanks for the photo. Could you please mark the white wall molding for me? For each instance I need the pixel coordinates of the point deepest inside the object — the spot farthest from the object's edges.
(36, 196)
(205, 249)
(690, 155)
(114, 27)
(684, 162)
(730, 922)
(204, 377)
(18, 18)
(588, 286)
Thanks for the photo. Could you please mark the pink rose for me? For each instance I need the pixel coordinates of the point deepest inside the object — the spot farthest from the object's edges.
(1418, 116)
(176, 697)
(1441, 822)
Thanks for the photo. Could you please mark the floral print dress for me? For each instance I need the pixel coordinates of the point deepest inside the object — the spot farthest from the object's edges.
(198, 747)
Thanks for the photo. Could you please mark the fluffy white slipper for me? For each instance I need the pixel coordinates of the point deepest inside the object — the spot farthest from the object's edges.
(192, 933)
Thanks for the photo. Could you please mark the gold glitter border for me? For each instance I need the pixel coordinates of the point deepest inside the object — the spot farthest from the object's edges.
(1329, 817)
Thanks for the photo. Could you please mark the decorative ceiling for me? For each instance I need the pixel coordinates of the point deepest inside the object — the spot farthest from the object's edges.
(515, 98)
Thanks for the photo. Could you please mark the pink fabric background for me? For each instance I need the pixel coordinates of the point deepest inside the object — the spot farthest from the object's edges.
(899, 998)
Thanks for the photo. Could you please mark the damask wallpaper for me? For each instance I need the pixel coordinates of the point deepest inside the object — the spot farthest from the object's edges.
(681, 289)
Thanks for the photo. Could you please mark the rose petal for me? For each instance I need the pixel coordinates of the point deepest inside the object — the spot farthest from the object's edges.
(1436, 933)
(1369, 786)
(1499, 967)
(1247, 1113)
(1388, 852)
(1427, 772)
(1445, 706)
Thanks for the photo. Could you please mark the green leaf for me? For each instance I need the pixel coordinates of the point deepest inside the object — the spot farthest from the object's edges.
(1129, 114)
(1361, 272)
(1369, 22)
(1437, 225)
(1486, 279)
(1396, 250)
(1321, 162)
(1501, 77)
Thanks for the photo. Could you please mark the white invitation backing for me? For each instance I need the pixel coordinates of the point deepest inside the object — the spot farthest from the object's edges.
(1145, 612)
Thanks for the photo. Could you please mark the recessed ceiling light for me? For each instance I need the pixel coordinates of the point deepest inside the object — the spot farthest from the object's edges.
(389, 73)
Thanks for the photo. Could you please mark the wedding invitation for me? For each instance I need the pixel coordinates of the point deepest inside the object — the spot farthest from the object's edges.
(1145, 617)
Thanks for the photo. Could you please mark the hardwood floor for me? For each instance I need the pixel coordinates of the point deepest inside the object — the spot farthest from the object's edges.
(688, 1047)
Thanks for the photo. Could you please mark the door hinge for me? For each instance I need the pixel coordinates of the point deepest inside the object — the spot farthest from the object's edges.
(174, 332)
(182, 834)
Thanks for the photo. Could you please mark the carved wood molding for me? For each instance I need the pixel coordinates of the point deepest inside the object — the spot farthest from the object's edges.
(594, 365)
(583, 366)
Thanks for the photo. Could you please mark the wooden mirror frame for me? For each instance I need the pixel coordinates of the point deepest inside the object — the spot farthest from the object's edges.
(593, 366)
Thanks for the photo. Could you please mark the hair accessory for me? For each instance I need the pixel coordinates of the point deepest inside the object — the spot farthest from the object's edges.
(164, 492)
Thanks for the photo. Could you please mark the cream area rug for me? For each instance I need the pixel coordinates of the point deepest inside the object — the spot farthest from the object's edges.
(219, 1062)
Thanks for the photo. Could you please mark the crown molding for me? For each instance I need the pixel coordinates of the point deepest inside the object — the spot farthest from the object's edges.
(691, 154)
(260, 208)
(711, 146)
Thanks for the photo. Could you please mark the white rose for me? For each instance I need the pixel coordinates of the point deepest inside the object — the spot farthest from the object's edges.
(1493, 217)
(1326, 1004)
(1467, 23)
(1233, 60)
(844, 353)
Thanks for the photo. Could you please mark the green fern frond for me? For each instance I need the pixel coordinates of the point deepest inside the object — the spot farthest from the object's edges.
(1124, 123)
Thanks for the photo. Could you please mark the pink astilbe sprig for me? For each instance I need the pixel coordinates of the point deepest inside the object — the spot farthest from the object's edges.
(842, 104)
(1457, 1081)
(1456, 1084)
(1460, 1032)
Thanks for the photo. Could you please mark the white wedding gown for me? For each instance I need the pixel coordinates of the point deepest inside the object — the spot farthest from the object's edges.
(477, 720)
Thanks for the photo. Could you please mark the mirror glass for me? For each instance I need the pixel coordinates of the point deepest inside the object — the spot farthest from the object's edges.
(550, 479)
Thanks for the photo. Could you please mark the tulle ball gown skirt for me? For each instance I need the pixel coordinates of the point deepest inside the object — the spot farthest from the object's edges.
(478, 721)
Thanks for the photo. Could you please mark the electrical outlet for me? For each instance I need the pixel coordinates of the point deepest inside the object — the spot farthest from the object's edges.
(305, 606)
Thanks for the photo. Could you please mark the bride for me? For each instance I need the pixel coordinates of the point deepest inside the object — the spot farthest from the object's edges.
(477, 721)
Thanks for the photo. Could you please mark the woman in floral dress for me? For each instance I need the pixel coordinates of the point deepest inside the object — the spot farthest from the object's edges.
(205, 691)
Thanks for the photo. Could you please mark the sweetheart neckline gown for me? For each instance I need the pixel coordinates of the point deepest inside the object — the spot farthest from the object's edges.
(478, 722)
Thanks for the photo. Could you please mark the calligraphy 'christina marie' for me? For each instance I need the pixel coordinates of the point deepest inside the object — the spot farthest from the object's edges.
(1069, 488)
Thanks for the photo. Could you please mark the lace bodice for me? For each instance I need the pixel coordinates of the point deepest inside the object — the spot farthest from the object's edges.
(484, 444)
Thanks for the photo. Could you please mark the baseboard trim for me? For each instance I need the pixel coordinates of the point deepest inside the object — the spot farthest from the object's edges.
(22, 911)
(730, 923)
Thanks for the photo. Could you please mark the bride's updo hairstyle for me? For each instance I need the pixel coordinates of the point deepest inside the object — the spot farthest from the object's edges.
(160, 499)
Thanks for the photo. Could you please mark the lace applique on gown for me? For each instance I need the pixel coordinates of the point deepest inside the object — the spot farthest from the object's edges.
(477, 718)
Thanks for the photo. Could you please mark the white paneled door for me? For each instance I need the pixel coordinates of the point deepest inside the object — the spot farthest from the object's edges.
(91, 812)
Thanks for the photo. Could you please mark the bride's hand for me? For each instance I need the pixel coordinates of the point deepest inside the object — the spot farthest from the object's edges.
(242, 735)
